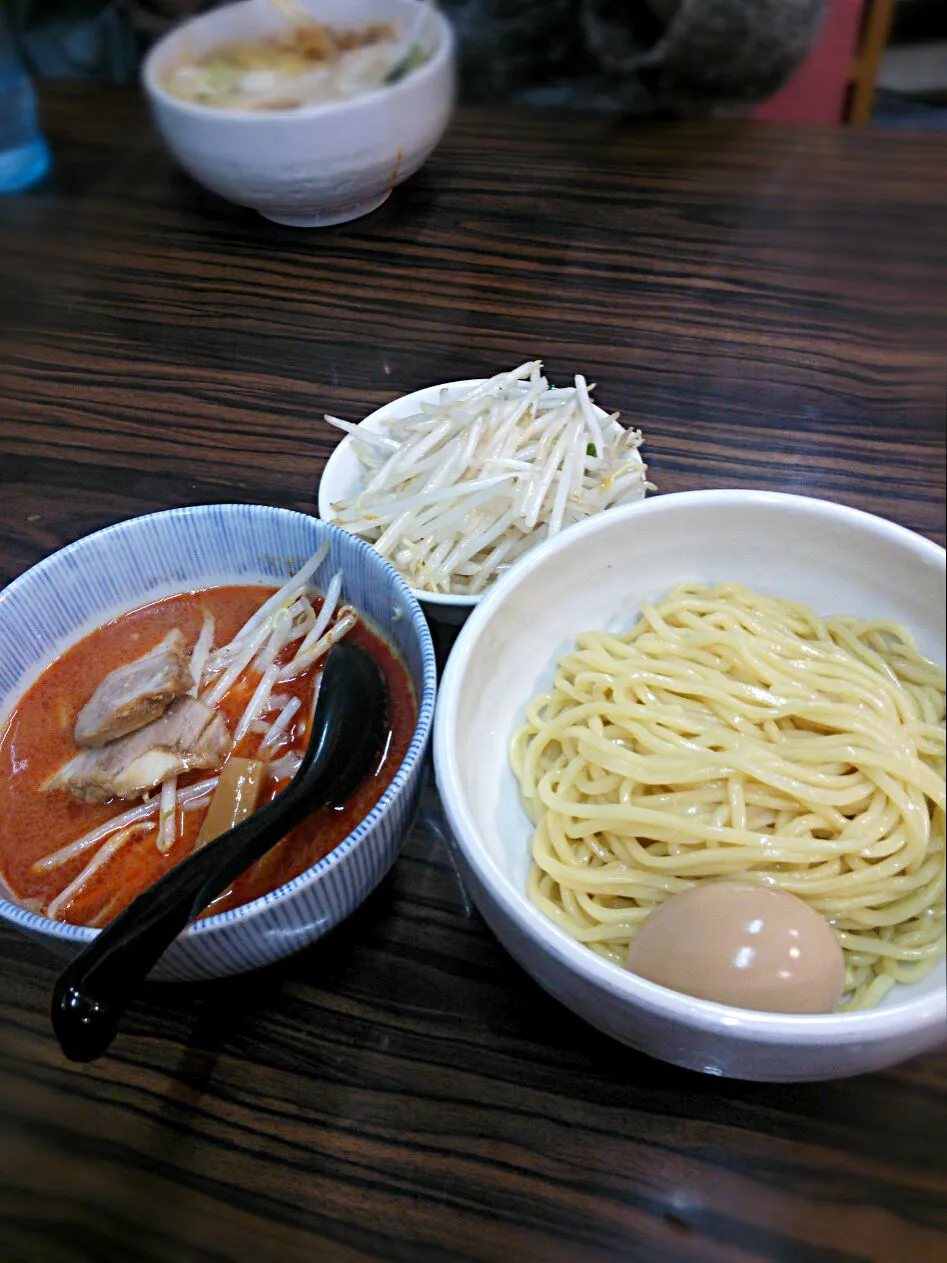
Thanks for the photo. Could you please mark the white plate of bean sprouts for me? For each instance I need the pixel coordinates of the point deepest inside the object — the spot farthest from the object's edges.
(455, 482)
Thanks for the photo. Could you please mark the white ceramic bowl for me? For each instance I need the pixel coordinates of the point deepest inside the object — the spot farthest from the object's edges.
(141, 560)
(320, 164)
(342, 478)
(833, 558)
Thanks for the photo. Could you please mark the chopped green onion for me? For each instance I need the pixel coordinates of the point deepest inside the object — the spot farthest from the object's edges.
(415, 56)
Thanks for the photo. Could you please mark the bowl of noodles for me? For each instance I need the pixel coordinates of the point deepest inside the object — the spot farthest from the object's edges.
(713, 693)
(308, 111)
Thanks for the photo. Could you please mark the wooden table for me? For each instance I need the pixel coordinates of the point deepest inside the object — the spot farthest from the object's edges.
(770, 305)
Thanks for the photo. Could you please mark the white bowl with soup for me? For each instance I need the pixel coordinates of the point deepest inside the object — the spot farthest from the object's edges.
(711, 822)
(98, 801)
(305, 144)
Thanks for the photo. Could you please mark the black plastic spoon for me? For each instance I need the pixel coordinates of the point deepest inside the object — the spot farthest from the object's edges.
(348, 727)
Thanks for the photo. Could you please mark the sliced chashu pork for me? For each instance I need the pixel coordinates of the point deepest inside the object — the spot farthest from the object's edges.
(188, 735)
(133, 695)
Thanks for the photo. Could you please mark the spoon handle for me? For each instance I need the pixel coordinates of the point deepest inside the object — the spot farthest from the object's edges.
(93, 991)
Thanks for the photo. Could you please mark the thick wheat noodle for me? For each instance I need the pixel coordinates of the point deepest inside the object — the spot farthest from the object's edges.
(733, 734)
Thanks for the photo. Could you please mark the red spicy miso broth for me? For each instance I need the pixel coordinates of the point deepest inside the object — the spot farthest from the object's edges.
(36, 740)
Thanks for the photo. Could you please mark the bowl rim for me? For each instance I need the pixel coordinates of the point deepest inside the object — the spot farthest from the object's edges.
(915, 1013)
(423, 394)
(67, 932)
(430, 69)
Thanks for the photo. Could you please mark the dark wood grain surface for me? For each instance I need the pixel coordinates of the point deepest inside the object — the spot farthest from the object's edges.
(770, 305)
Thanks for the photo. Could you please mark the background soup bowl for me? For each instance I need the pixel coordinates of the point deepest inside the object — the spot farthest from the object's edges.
(142, 560)
(835, 559)
(317, 164)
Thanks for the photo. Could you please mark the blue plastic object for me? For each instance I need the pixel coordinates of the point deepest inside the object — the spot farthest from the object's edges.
(24, 154)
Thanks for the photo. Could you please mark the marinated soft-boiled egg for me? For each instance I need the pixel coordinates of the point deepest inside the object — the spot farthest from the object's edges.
(742, 944)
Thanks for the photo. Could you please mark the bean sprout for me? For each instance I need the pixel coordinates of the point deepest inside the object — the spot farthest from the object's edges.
(453, 494)
(256, 704)
(144, 811)
(277, 732)
(167, 815)
(102, 856)
(205, 642)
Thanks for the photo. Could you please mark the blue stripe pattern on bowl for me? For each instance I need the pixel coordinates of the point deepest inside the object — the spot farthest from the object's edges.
(141, 560)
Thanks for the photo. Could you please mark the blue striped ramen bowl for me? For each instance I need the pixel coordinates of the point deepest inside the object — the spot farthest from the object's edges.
(133, 563)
